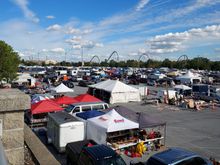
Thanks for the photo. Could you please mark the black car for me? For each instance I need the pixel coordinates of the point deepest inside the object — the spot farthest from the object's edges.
(85, 83)
(68, 83)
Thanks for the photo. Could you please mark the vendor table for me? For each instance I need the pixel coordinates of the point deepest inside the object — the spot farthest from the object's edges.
(121, 146)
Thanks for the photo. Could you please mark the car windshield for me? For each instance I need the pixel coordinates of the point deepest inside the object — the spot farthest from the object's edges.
(69, 108)
(112, 161)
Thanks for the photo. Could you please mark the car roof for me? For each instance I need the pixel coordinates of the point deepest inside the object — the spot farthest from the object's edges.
(100, 152)
(173, 155)
(88, 103)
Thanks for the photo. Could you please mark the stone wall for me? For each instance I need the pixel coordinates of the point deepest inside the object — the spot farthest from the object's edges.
(12, 105)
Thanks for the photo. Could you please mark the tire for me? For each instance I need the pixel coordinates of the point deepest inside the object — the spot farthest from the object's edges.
(70, 85)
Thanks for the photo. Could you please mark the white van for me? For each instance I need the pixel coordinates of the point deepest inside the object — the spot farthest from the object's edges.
(85, 106)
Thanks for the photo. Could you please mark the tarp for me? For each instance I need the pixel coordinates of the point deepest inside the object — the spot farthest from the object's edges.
(119, 91)
(37, 99)
(65, 100)
(45, 106)
(89, 114)
(144, 120)
(87, 98)
(61, 89)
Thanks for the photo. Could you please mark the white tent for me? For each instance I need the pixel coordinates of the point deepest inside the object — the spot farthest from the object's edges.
(189, 77)
(119, 92)
(61, 89)
(25, 78)
(98, 127)
(183, 87)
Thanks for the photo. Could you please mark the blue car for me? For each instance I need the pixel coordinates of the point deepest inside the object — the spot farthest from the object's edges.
(177, 156)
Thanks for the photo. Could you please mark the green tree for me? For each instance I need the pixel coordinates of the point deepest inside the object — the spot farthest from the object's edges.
(167, 63)
(9, 61)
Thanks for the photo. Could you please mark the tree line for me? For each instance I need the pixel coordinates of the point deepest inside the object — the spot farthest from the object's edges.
(195, 63)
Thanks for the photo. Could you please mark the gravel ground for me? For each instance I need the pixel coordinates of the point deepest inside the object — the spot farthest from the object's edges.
(197, 131)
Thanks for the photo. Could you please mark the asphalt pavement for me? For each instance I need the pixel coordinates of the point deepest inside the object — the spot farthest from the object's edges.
(198, 131)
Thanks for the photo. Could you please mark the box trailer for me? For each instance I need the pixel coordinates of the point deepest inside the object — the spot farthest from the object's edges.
(63, 128)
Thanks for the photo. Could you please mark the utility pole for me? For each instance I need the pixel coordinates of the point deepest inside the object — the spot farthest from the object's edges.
(38, 53)
(82, 56)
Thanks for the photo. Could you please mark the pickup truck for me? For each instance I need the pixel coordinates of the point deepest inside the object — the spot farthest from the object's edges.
(88, 152)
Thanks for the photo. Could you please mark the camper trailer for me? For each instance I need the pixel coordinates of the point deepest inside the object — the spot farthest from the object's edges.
(63, 128)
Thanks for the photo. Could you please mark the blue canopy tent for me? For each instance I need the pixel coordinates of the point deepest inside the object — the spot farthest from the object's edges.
(89, 114)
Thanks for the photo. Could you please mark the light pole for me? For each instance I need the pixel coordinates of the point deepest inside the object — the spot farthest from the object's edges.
(82, 56)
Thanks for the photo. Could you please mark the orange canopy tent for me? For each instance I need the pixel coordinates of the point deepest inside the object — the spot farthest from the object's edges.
(45, 106)
(65, 100)
(87, 98)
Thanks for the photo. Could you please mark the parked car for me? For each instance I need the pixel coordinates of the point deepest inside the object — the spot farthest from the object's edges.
(85, 83)
(151, 82)
(85, 106)
(68, 83)
(88, 152)
(177, 156)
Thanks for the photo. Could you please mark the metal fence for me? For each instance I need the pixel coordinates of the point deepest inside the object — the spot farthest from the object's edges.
(3, 159)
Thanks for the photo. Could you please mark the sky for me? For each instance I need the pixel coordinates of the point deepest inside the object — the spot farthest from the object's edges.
(69, 29)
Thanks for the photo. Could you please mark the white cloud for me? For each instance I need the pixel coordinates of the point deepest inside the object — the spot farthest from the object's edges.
(54, 27)
(21, 54)
(77, 47)
(141, 4)
(72, 30)
(87, 31)
(217, 50)
(74, 40)
(99, 45)
(44, 50)
(23, 5)
(57, 50)
(79, 42)
(174, 42)
(50, 17)
(142, 51)
(133, 54)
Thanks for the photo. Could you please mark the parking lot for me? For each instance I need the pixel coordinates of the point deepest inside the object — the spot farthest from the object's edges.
(197, 131)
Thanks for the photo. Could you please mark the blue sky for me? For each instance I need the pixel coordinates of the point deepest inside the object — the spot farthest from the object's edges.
(160, 28)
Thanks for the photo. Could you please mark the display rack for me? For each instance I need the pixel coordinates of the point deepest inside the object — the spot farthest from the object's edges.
(121, 146)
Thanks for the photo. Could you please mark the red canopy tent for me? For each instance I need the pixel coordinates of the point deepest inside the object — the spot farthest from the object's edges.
(65, 100)
(87, 98)
(45, 106)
